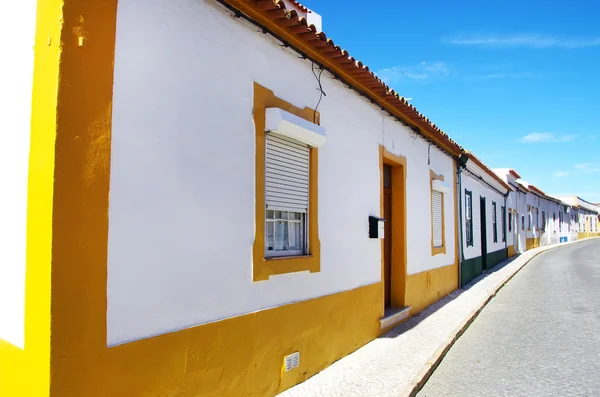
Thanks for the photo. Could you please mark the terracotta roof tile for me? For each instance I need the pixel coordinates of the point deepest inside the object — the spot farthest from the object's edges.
(289, 26)
(514, 173)
(300, 6)
(485, 168)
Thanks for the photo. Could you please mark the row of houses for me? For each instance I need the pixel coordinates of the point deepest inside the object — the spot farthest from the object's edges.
(505, 216)
(213, 198)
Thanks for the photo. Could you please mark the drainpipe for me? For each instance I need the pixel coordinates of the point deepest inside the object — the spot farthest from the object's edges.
(505, 231)
(460, 223)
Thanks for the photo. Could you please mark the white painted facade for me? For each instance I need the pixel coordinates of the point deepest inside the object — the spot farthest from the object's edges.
(478, 182)
(182, 194)
(16, 80)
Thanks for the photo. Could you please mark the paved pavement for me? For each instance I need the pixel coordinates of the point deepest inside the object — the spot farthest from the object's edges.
(540, 335)
(395, 363)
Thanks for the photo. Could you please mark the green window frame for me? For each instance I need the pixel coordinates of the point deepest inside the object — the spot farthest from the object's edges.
(495, 221)
(469, 217)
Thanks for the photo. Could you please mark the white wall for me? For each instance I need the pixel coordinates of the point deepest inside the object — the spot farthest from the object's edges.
(479, 189)
(16, 80)
(181, 217)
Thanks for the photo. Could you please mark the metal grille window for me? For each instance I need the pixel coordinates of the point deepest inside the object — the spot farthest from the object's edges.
(286, 196)
(543, 221)
(437, 216)
(495, 222)
(510, 220)
(469, 217)
(503, 213)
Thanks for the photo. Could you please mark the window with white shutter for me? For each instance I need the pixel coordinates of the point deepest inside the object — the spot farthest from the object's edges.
(286, 196)
(437, 213)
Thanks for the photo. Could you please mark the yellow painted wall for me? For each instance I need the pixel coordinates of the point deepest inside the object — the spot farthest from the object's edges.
(428, 287)
(241, 356)
(532, 242)
(26, 373)
(582, 235)
(511, 251)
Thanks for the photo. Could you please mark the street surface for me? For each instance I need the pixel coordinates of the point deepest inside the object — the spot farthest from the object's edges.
(540, 336)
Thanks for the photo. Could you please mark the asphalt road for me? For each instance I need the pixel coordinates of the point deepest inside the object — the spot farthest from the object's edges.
(540, 336)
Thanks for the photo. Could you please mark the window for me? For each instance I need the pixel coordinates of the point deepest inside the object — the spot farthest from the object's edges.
(537, 218)
(438, 238)
(529, 217)
(286, 196)
(437, 212)
(503, 213)
(522, 222)
(469, 217)
(543, 221)
(494, 222)
(510, 221)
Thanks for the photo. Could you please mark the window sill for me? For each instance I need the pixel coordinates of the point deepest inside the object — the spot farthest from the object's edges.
(438, 251)
(283, 258)
(277, 265)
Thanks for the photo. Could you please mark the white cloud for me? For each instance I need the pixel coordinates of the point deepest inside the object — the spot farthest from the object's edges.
(546, 137)
(423, 72)
(526, 40)
(589, 168)
(560, 174)
(516, 75)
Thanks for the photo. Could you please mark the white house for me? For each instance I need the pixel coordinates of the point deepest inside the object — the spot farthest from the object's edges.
(484, 219)
(235, 202)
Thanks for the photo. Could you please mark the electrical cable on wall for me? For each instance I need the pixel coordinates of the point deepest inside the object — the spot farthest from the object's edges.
(265, 30)
(318, 77)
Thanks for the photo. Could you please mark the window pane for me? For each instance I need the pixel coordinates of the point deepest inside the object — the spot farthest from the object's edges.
(270, 214)
(270, 245)
(296, 236)
(281, 236)
(277, 214)
(284, 215)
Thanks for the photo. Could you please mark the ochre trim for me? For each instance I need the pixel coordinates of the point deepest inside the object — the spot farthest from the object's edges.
(399, 231)
(264, 268)
(437, 250)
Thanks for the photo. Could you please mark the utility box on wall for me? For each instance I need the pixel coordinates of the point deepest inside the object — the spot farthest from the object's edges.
(376, 227)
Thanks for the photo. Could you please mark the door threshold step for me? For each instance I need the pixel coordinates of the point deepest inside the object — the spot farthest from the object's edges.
(394, 315)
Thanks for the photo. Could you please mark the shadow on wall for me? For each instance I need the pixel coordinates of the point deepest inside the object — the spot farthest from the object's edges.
(418, 318)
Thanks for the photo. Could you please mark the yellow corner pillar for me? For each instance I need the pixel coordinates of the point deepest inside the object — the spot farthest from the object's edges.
(26, 371)
(67, 208)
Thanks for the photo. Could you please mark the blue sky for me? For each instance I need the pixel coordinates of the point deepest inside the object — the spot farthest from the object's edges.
(515, 82)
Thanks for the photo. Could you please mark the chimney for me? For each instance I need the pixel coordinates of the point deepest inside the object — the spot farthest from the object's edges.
(312, 18)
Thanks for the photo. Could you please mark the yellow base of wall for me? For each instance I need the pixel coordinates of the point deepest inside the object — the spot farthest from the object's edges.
(426, 288)
(511, 251)
(241, 356)
(582, 235)
(532, 243)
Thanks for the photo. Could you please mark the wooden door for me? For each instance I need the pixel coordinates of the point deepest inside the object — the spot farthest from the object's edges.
(387, 245)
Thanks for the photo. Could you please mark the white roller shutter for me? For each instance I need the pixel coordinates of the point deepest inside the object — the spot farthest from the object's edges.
(436, 212)
(286, 174)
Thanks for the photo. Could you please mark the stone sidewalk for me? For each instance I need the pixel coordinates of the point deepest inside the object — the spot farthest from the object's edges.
(400, 362)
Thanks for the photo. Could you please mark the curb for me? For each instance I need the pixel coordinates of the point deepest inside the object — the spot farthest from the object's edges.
(425, 373)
